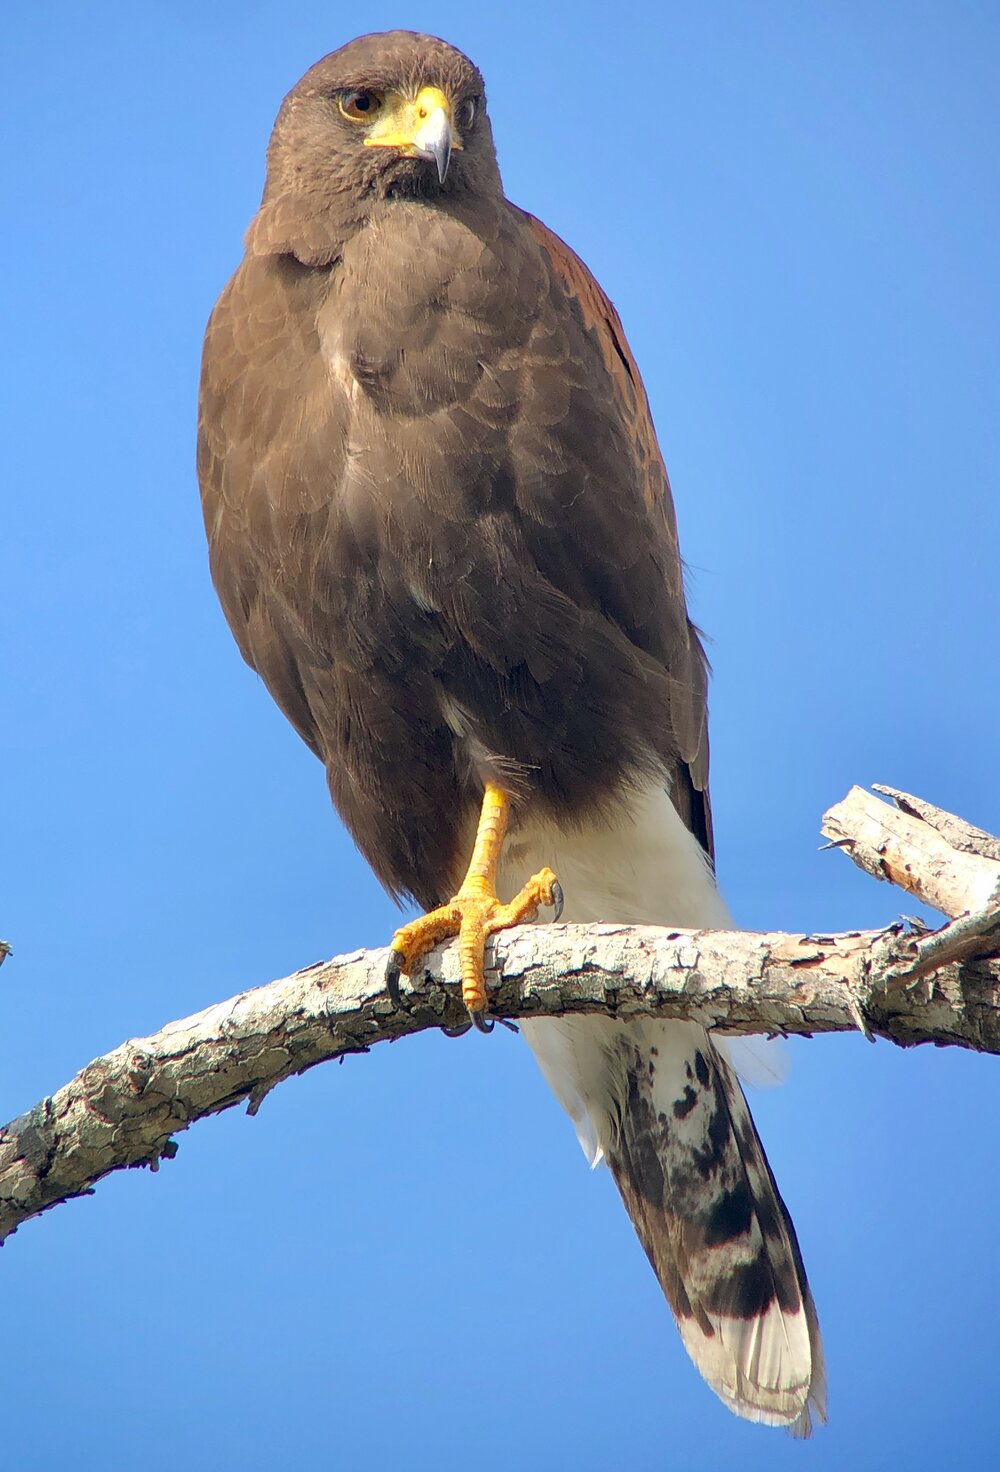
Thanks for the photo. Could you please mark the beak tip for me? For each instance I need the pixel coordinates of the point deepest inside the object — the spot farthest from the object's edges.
(434, 141)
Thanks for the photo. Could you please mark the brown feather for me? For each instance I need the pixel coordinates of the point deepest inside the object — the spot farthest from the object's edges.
(689, 708)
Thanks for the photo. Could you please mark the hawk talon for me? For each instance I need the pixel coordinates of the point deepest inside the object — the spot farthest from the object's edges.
(393, 972)
(458, 1031)
(462, 1028)
(558, 899)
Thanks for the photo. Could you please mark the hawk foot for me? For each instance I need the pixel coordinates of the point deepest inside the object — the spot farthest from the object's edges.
(474, 914)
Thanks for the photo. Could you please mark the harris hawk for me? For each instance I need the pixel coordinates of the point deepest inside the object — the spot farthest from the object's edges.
(441, 530)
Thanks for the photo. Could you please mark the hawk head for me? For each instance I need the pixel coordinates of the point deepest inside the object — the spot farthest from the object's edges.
(391, 115)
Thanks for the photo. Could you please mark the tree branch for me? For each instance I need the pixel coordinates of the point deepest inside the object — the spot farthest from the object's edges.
(901, 983)
(939, 858)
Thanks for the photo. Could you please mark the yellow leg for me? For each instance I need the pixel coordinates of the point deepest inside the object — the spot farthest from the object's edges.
(474, 913)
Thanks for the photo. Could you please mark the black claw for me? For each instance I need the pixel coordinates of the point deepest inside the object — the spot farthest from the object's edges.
(393, 971)
(557, 899)
(482, 1022)
(459, 1031)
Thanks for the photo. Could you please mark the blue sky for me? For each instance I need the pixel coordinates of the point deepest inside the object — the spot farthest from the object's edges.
(795, 209)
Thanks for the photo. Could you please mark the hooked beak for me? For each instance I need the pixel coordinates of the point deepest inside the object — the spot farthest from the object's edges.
(432, 141)
(420, 128)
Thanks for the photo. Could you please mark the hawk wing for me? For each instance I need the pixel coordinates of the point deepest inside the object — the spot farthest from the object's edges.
(689, 666)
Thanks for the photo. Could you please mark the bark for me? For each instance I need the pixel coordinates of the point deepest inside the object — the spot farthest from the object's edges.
(902, 983)
(920, 848)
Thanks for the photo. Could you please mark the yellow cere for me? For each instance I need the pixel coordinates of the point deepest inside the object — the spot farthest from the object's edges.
(401, 118)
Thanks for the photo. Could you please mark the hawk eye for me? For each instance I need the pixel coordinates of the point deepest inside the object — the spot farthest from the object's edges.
(359, 106)
(465, 113)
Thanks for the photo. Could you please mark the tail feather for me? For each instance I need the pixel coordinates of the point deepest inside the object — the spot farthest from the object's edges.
(662, 1105)
(664, 1108)
(692, 1173)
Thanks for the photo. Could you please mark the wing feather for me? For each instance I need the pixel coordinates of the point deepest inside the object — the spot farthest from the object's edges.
(689, 665)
